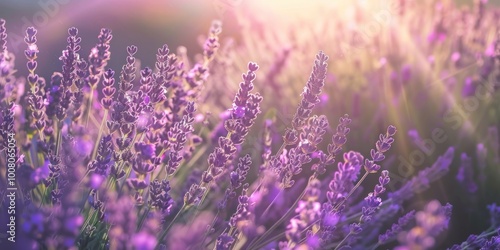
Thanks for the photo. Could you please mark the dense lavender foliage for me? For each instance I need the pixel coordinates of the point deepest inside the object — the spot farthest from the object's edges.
(139, 158)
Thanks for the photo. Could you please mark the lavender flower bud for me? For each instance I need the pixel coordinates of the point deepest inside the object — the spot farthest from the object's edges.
(383, 145)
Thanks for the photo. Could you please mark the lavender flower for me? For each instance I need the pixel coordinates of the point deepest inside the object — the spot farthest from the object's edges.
(108, 90)
(177, 138)
(242, 219)
(308, 211)
(7, 125)
(224, 242)
(36, 96)
(397, 228)
(212, 44)
(160, 196)
(103, 161)
(289, 165)
(423, 179)
(312, 134)
(70, 57)
(3, 37)
(334, 148)
(382, 145)
(493, 243)
(99, 57)
(372, 203)
(238, 176)
(343, 179)
(310, 95)
(430, 222)
(246, 107)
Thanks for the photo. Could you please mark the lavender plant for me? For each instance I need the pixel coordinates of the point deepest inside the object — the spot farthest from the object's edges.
(132, 159)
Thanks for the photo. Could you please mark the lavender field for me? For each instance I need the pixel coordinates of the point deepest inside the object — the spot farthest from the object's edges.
(250, 124)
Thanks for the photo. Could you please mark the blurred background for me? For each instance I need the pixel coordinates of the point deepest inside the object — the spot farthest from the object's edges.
(407, 63)
(150, 23)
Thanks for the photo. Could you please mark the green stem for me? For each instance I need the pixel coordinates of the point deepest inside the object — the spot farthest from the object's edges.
(143, 218)
(164, 233)
(210, 228)
(272, 202)
(275, 225)
(59, 136)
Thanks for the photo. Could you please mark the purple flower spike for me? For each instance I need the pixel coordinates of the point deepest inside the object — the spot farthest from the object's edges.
(397, 228)
(312, 90)
(383, 145)
(212, 43)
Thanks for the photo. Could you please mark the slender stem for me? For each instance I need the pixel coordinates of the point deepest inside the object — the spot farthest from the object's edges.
(83, 178)
(89, 216)
(352, 191)
(280, 150)
(89, 106)
(261, 180)
(376, 246)
(99, 135)
(164, 233)
(275, 225)
(127, 174)
(43, 197)
(342, 241)
(237, 238)
(59, 136)
(276, 237)
(210, 228)
(143, 218)
(272, 202)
